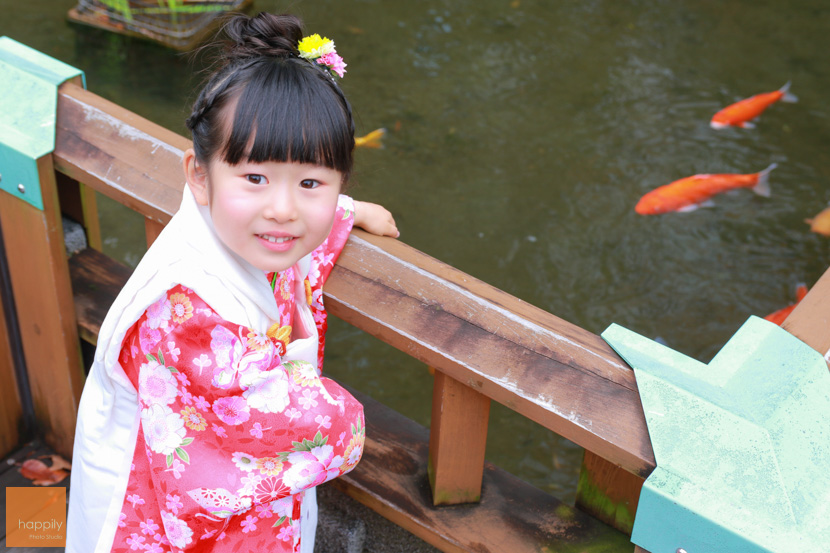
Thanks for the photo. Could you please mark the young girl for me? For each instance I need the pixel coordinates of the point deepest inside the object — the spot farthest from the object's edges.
(204, 424)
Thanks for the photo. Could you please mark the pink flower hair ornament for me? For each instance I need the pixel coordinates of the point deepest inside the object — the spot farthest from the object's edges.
(315, 48)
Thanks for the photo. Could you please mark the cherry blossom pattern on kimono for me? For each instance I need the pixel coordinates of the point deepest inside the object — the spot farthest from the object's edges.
(230, 436)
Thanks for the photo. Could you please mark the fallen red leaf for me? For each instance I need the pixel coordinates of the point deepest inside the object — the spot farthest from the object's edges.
(41, 475)
(58, 462)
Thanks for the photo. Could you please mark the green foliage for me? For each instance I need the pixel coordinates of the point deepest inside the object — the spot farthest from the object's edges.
(125, 9)
(280, 521)
(308, 445)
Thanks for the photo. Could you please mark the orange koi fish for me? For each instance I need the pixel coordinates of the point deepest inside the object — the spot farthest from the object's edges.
(692, 192)
(371, 140)
(820, 224)
(740, 113)
(779, 316)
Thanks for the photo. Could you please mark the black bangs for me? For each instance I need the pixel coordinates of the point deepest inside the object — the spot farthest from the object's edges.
(288, 112)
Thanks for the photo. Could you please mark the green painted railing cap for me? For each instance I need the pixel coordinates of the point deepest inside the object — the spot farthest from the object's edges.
(28, 104)
(742, 444)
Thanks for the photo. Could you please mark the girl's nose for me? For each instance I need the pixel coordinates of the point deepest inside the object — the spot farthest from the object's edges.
(282, 205)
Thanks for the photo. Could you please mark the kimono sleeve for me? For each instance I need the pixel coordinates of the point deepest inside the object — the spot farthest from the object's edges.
(230, 431)
(322, 262)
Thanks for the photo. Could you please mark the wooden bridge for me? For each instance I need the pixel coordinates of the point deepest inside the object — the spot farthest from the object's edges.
(483, 344)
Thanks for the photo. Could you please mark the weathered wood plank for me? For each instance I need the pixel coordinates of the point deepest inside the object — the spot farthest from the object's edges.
(96, 281)
(43, 296)
(512, 515)
(119, 154)
(6, 549)
(458, 440)
(18, 455)
(542, 367)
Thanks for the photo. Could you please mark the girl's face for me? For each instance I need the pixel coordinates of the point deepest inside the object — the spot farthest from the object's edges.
(271, 214)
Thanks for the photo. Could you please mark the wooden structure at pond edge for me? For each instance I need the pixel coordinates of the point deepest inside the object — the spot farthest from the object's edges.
(178, 24)
(483, 344)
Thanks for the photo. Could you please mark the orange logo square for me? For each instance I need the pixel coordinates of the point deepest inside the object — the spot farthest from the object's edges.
(36, 517)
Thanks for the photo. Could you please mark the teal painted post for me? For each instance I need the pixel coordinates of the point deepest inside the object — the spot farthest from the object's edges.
(28, 103)
(33, 238)
(742, 444)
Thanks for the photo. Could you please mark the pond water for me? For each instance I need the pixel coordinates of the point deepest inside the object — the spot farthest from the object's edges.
(522, 134)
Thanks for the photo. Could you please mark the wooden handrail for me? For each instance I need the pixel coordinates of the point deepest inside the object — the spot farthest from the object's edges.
(538, 365)
(119, 154)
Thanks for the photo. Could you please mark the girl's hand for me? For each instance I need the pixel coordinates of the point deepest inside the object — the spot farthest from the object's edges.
(374, 218)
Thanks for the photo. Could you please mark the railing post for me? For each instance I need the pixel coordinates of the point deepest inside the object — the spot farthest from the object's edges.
(43, 298)
(33, 236)
(152, 229)
(78, 201)
(11, 410)
(458, 439)
(608, 492)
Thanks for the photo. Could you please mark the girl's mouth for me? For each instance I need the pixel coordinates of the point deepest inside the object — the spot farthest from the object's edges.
(276, 243)
(275, 239)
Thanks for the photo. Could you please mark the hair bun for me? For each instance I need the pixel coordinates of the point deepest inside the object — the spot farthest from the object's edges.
(265, 34)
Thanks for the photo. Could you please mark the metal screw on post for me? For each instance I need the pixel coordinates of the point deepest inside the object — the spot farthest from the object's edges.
(21, 188)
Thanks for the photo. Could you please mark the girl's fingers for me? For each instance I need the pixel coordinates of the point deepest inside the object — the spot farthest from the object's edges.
(376, 219)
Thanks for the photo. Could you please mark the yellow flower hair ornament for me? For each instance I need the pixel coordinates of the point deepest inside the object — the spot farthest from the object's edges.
(321, 50)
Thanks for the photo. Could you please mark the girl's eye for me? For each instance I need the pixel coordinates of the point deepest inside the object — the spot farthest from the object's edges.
(255, 179)
(310, 183)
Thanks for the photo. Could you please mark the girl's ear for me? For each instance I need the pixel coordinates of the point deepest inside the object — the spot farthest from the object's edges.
(196, 176)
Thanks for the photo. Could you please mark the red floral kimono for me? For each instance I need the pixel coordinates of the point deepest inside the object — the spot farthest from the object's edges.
(231, 432)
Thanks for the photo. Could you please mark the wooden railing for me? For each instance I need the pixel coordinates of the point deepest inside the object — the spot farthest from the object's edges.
(483, 344)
